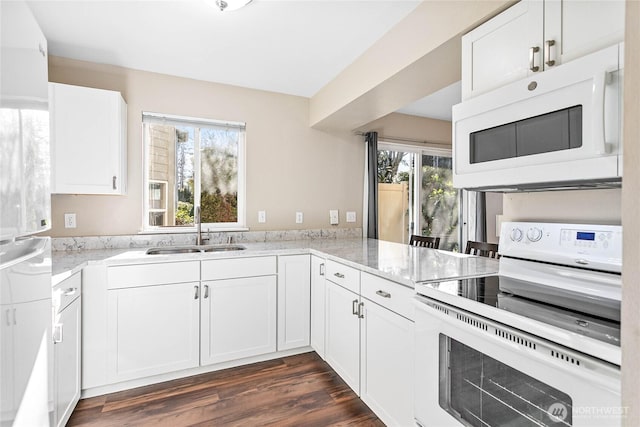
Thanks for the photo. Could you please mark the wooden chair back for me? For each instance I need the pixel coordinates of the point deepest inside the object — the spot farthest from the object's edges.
(424, 241)
(485, 249)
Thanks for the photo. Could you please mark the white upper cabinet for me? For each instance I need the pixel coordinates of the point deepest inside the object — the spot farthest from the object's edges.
(88, 140)
(575, 28)
(533, 36)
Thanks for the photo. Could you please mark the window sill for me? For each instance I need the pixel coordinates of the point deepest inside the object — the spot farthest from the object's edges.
(187, 230)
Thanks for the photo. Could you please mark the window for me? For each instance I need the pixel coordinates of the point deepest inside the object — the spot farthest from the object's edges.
(189, 163)
(416, 195)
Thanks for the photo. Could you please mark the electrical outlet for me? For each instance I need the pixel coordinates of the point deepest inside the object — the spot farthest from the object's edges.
(333, 217)
(299, 218)
(69, 220)
(351, 216)
(262, 217)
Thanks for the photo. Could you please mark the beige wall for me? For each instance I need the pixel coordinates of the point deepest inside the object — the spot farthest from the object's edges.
(631, 219)
(403, 126)
(578, 206)
(417, 57)
(290, 167)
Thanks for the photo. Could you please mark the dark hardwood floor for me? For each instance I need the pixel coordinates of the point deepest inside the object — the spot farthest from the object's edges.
(299, 390)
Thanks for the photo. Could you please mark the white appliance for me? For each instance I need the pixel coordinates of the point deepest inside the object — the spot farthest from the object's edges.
(537, 344)
(26, 396)
(557, 129)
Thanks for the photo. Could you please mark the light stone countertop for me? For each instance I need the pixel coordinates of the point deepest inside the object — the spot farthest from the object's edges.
(394, 261)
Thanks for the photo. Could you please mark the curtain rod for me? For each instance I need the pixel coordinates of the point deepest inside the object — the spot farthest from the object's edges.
(393, 138)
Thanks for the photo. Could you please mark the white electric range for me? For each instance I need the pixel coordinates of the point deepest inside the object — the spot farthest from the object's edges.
(537, 344)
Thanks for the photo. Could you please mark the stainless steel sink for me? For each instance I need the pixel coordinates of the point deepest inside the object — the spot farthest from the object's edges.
(169, 251)
(194, 249)
(223, 248)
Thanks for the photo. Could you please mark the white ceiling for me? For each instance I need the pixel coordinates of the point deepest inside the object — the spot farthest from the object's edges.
(287, 46)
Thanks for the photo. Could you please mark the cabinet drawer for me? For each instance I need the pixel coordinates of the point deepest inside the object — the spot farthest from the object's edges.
(127, 276)
(394, 296)
(67, 291)
(344, 276)
(231, 268)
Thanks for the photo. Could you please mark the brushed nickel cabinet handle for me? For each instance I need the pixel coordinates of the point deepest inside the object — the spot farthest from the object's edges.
(57, 333)
(354, 307)
(383, 294)
(532, 54)
(69, 291)
(322, 269)
(339, 275)
(114, 182)
(206, 291)
(197, 290)
(361, 311)
(547, 52)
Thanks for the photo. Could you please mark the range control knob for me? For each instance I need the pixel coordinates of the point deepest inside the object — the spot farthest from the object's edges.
(516, 235)
(534, 234)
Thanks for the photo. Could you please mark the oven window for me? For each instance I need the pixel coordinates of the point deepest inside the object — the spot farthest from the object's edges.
(481, 391)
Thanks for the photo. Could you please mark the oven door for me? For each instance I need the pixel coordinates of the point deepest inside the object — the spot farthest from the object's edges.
(561, 126)
(475, 372)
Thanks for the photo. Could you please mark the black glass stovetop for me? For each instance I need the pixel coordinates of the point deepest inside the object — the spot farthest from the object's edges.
(597, 318)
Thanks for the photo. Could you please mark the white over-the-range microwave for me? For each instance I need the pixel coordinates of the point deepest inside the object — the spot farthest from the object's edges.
(557, 129)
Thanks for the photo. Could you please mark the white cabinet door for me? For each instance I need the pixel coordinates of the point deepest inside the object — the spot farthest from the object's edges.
(294, 301)
(497, 52)
(88, 140)
(387, 365)
(238, 318)
(318, 295)
(152, 330)
(343, 334)
(534, 35)
(579, 27)
(67, 363)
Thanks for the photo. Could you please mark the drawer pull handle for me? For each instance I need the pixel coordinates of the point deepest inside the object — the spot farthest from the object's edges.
(383, 294)
(69, 291)
(339, 275)
(354, 307)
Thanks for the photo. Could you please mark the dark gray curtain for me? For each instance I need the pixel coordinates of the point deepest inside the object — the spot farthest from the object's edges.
(481, 217)
(371, 138)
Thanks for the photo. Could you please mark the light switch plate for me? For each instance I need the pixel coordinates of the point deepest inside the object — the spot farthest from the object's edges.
(351, 216)
(299, 217)
(69, 220)
(333, 217)
(262, 217)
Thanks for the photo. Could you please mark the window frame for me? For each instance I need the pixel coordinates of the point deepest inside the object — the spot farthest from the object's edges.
(196, 123)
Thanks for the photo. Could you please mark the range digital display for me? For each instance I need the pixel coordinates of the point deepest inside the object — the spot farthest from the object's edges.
(586, 236)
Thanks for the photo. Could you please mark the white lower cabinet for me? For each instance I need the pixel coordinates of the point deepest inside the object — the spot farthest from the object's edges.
(318, 297)
(294, 301)
(238, 318)
(67, 347)
(153, 330)
(343, 334)
(386, 364)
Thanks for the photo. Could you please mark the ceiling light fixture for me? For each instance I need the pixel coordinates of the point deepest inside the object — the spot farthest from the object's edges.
(225, 5)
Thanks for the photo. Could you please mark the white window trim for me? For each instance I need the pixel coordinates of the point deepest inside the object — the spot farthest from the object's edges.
(240, 225)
